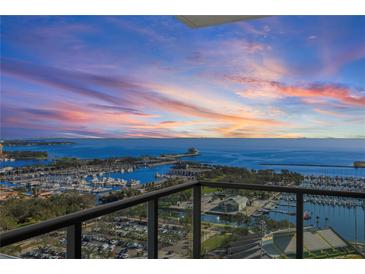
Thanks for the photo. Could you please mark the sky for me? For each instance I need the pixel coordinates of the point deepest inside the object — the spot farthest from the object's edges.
(152, 76)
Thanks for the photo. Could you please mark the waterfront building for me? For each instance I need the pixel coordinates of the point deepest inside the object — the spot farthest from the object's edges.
(6, 194)
(318, 243)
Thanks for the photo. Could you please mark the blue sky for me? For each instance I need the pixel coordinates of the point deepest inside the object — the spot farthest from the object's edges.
(152, 76)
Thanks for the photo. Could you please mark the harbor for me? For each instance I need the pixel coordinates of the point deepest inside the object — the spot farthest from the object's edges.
(92, 176)
(102, 178)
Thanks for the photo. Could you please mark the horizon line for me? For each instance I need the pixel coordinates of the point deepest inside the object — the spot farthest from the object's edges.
(135, 138)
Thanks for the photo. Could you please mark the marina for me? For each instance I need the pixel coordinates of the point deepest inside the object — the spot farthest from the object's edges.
(103, 179)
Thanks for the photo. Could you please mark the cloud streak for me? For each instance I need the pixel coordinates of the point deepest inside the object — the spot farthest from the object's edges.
(327, 91)
(118, 91)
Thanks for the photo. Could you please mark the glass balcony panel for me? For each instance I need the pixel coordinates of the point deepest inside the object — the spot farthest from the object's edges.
(48, 246)
(119, 235)
(247, 224)
(334, 227)
(175, 226)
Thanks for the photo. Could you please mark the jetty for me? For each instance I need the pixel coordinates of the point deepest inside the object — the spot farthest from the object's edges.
(310, 165)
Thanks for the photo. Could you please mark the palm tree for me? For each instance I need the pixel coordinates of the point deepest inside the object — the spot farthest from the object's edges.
(317, 221)
(326, 221)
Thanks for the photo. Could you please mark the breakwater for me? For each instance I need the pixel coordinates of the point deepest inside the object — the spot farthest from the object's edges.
(305, 165)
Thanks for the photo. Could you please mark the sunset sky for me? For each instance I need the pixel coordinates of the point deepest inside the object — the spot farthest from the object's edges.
(152, 76)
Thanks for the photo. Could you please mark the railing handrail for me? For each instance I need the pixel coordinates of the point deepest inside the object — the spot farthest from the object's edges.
(73, 221)
(33, 230)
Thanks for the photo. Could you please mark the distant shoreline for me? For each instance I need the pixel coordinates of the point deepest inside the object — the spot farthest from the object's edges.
(16, 143)
(182, 138)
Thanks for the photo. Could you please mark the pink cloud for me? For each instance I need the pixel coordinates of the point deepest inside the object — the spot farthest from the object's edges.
(340, 93)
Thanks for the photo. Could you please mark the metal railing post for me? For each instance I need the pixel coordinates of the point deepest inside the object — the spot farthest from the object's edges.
(152, 238)
(73, 249)
(299, 225)
(196, 221)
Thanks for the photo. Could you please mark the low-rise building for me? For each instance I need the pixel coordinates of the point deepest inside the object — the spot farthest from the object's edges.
(232, 204)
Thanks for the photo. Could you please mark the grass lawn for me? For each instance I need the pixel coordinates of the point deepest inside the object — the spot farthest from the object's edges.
(208, 190)
(216, 179)
(216, 241)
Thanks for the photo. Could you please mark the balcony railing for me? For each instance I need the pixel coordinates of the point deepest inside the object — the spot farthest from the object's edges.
(73, 222)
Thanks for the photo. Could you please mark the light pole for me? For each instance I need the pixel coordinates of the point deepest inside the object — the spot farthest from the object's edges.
(262, 236)
(356, 226)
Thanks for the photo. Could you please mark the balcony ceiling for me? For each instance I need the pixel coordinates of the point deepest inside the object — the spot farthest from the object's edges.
(199, 21)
